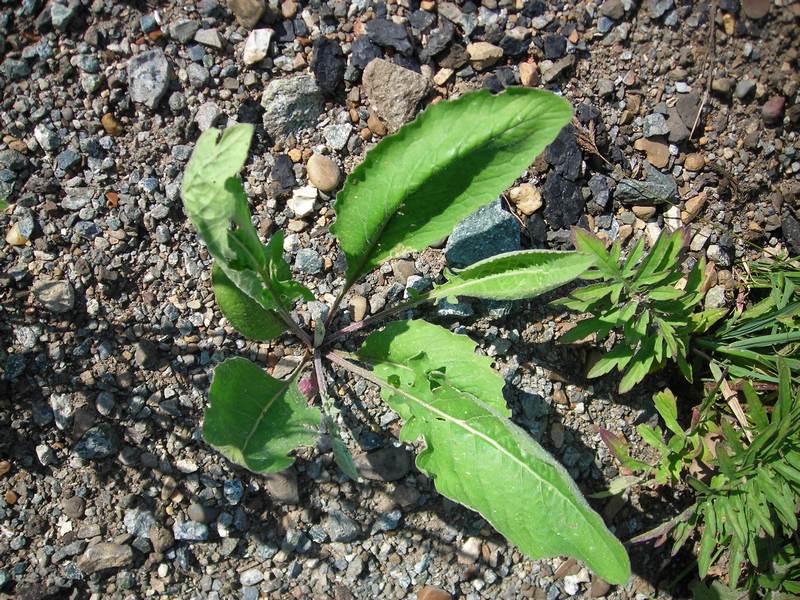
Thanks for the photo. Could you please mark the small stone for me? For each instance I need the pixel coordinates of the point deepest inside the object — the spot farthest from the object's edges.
(74, 507)
(100, 441)
(61, 15)
(526, 198)
(693, 206)
(657, 188)
(291, 105)
(657, 151)
(190, 531)
(56, 296)
(442, 76)
(48, 139)
(145, 354)
(554, 45)
(308, 261)
(251, 577)
(694, 162)
(483, 55)
(105, 555)
(45, 454)
(337, 134)
(283, 487)
(385, 464)
(715, 297)
(201, 513)
(323, 172)
(247, 12)
(487, 232)
(111, 125)
(433, 593)
(599, 587)
(375, 125)
(613, 9)
(528, 74)
(207, 115)
(14, 236)
(161, 538)
(388, 34)
(209, 37)
(341, 528)
(658, 8)
(5, 467)
(772, 111)
(328, 65)
(644, 212)
(359, 304)
(256, 46)
(470, 551)
(138, 522)
(756, 9)
(394, 92)
(183, 30)
(302, 201)
(553, 70)
(723, 85)
(744, 88)
(149, 74)
(654, 124)
(364, 52)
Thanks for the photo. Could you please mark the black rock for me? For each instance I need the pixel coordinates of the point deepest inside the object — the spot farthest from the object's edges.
(601, 190)
(564, 154)
(389, 34)
(564, 202)
(282, 176)
(537, 230)
(421, 20)
(328, 64)
(363, 52)
(534, 8)
(438, 40)
(502, 78)
(284, 31)
(554, 46)
(300, 28)
(791, 232)
(455, 57)
(250, 111)
(407, 62)
(513, 45)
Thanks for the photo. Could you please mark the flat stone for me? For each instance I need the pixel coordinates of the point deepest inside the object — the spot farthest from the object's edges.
(657, 151)
(207, 115)
(487, 232)
(190, 531)
(693, 162)
(149, 74)
(744, 89)
(394, 92)
(654, 125)
(388, 34)
(341, 528)
(756, 9)
(564, 203)
(256, 46)
(283, 487)
(552, 71)
(138, 522)
(56, 296)
(657, 188)
(328, 65)
(385, 464)
(337, 134)
(183, 30)
(308, 261)
(209, 37)
(429, 592)
(161, 538)
(247, 12)
(101, 441)
(323, 172)
(483, 55)
(613, 9)
(291, 105)
(302, 201)
(106, 555)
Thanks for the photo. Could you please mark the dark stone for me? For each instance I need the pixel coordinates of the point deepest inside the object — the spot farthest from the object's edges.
(389, 34)
(387, 464)
(554, 46)
(284, 31)
(772, 111)
(438, 40)
(421, 20)
(537, 230)
(99, 442)
(687, 107)
(791, 233)
(282, 176)
(250, 111)
(328, 64)
(487, 232)
(657, 188)
(363, 52)
(146, 354)
(564, 154)
(564, 202)
(600, 188)
(455, 57)
(534, 8)
(513, 45)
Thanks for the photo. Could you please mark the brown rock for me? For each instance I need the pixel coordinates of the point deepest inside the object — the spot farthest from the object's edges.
(375, 125)
(15, 237)
(295, 154)
(161, 538)
(10, 497)
(282, 487)
(111, 125)
(359, 304)
(247, 12)
(5, 467)
(599, 587)
(394, 91)
(529, 74)
(693, 207)
(323, 172)
(433, 593)
(105, 556)
(756, 9)
(656, 150)
(526, 198)
(644, 212)
(288, 9)
(694, 162)
(772, 111)
(483, 55)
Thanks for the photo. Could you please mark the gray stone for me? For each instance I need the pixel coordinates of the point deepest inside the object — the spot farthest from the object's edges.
(61, 15)
(744, 89)
(282, 487)
(149, 74)
(247, 12)
(337, 134)
(715, 297)
(291, 105)
(207, 115)
(456, 310)
(654, 124)
(488, 231)
(74, 507)
(553, 70)
(208, 37)
(308, 261)
(100, 557)
(613, 9)
(62, 410)
(385, 464)
(198, 76)
(657, 188)
(56, 296)
(48, 139)
(256, 46)
(233, 490)
(657, 8)
(183, 30)
(138, 522)
(341, 528)
(251, 577)
(394, 92)
(388, 34)
(678, 131)
(190, 531)
(100, 441)
(201, 513)
(387, 522)
(145, 354)
(791, 233)
(45, 454)
(161, 538)
(67, 159)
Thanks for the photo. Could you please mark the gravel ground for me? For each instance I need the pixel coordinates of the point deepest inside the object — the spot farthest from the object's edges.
(108, 325)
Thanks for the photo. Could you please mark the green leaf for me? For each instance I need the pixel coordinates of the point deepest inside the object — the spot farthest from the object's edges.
(247, 316)
(3, 204)
(633, 258)
(667, 407)
(514, 275)
(618, 357)
(285, 288)
(619, 448)
(479, 458)
(581, 330)
(639, 365)
(592, 246)
(392, 348)
(708, 541)
(416, 185)
(255, 420)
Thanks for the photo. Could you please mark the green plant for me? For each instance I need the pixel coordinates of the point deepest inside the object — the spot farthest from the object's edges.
(409, 192)
(640, 302)
(745, 473)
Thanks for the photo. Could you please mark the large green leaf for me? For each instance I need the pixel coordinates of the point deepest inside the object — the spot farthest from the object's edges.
(416, 185)
(249, 317)
(478, 457)
(515, 275)
(397, 343)
(255, 420)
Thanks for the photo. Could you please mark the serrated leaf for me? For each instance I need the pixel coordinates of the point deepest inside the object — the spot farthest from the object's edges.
(255, 420)
(514, 275)
(392, 348)
(416, 185)
(479, 458)
(247, 316)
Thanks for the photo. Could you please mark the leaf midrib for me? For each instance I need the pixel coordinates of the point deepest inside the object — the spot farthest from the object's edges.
(284, 386)
(471, 282)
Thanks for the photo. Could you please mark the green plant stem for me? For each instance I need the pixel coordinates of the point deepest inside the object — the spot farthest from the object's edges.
(338, 359)
(364, 323)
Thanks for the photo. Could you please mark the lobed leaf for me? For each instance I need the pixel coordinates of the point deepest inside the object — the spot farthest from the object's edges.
(416, 185)
(514, 275)
(255, 420)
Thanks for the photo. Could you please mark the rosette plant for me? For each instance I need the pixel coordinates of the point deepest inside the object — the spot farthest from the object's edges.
(409, 192)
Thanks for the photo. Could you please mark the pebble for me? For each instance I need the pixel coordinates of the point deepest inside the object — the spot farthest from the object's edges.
(756, 9)
(694, 162)
(655, 189)
(190, 531)
(429, 592)
(105, 555)
(149, 74)
(483, 55)
(654, 125)
(302, 201)
(100, 441)
(385, 464)
(388, 34)
(328, 65)
(209, 37)
(45, 454)
(394, 92)
(256, 46)
(772, 110)
(323, 173)
(308, 260)
(201, 513)
(291, 105)
(340, 527)
(183, 30)
(488, 231)
(207, 115)
(470, 551)
(744, 88)
(247, 12)
(251, 577)
(56, 296)
(526, 198)
(283, 487)
(656, 150)
(715, 297)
